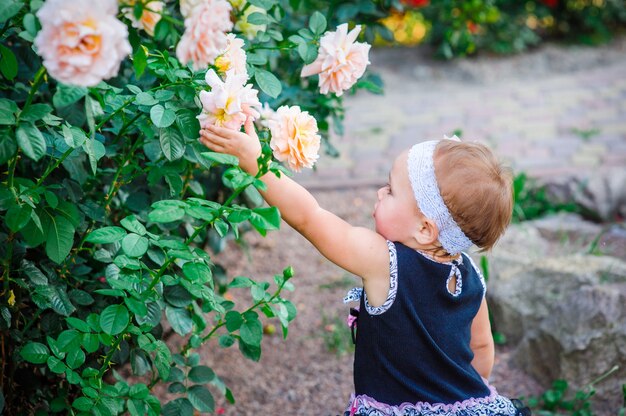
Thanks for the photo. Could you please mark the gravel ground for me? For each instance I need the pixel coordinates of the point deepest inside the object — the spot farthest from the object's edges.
(300, 375)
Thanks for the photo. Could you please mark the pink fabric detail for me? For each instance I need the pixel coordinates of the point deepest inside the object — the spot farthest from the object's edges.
(351, 319)
(371, 403)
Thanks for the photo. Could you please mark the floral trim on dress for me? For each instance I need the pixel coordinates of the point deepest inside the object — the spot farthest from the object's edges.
(492, 405)
(355, 293)
(480, 275)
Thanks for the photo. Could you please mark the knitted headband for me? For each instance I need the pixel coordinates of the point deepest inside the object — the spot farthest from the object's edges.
(428, 197)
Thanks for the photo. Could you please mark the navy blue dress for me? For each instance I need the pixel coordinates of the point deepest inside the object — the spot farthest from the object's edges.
(413, 354)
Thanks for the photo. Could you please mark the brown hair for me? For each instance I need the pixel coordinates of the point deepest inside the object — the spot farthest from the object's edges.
(476, 188)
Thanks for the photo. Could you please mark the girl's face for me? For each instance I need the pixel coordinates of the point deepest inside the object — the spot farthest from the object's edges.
(395, 213)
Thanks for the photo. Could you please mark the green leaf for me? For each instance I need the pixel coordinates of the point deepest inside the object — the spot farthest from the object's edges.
(162, 117)
(18, 216)
(69, 340)
(35, 352)
(233, 321)
(258, 18)
(6, 118)
(201, 374)
(135, 245)
(263, 4)
(95, 150)
(8, 63)
(317, 23)
(35, 112)
(145, 98)
(114, 319)
(140, 61)
(221, 158)
(268, 82)
(251, 332)
(31, 141)
(197, 272)
(172, 143)
(251, 352)
(60, 238)
(75, 358)
(177, 296)
(188, 124)
(163, 360)
(167, 211)
(56, 365)
(133, 225)
(34, 274)
(180, 319)
(78, 324)
(178, 407)
(9, 8)
(106, 235)
(201, 398)
(152, 317)
(83, 403)
(67, 94)
(73, 136)
(271, 217)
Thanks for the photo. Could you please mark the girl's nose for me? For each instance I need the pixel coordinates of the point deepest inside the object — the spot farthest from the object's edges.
(380, 193)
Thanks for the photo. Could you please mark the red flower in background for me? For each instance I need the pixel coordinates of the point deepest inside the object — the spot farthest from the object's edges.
(551, 3)
(415, 3)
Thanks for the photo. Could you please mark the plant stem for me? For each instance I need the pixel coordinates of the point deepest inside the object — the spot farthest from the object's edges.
(33, 89)
(107, 358)
(54, 166)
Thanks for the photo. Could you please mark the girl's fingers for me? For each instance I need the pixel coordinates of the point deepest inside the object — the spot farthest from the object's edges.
(212, 144)
(249, 128)
(223, 132)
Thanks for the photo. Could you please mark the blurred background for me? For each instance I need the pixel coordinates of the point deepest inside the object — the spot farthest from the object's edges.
(541, 82)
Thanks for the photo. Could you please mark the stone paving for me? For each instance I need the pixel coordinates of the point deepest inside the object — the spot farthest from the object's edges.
(553, 113)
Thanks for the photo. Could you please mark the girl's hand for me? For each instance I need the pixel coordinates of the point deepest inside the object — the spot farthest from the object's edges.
(245, 146)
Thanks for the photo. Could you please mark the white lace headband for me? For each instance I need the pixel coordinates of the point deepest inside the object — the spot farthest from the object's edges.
(428, 197)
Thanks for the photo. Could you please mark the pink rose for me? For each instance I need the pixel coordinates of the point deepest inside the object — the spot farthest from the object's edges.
(233, 58)
(294, 137)
(149, 17)
(340, 61)
(81, 41)
(187, 6)
(205, 33)
(229, 102)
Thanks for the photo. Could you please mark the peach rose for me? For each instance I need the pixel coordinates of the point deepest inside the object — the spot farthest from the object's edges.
(81, 41)
(187, 6)
(233, 58)
(294, 137)
(250, 30)
(340, 61)
(149, 17)
(205, 33)
(229, 102)
(266, 113)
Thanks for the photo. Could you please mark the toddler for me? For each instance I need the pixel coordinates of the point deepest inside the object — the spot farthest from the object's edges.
(423, 343)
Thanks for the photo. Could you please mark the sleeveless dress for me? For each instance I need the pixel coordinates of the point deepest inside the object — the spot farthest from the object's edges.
(412, 355)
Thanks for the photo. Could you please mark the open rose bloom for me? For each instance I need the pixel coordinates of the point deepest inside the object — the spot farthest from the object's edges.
(233, 58)
(340, 61)
(81, 41)
(149, 17)
(229, 102)
(294, 137)
(205, 33)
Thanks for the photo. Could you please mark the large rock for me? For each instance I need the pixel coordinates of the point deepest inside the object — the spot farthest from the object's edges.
(563, 308)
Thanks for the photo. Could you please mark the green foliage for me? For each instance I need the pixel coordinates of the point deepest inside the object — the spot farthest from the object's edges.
(460, 27)
(558, 401)
(531, 201)
(336, 335)
(108, 201)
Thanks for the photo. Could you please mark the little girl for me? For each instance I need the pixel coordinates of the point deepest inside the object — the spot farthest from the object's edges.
(423, 344)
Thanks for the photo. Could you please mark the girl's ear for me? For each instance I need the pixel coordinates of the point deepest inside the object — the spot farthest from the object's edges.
(426, 232)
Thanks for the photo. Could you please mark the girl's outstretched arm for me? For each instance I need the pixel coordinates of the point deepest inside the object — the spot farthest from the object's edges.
(356, 249)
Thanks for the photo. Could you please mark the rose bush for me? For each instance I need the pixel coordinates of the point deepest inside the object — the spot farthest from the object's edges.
(108, 202)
